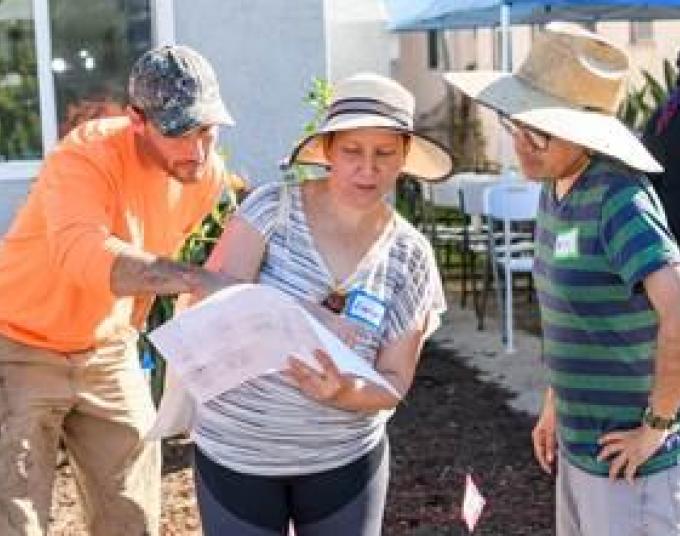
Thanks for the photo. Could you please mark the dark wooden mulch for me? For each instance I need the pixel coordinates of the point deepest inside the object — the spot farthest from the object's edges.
(452, 424)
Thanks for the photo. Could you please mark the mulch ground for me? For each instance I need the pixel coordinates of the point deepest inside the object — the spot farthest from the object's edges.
(450, 424)
(453, 424)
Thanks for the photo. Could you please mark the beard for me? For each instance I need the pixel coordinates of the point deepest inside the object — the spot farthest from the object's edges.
(186, 171)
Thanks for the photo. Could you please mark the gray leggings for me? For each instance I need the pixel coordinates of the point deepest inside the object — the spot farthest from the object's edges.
(339, 502)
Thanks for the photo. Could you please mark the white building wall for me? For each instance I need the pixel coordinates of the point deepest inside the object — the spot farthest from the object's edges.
(357, 38)
(413, 72)
(12, 196)
(265, 53)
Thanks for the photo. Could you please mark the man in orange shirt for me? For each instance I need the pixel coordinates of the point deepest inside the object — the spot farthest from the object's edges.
(78, 271)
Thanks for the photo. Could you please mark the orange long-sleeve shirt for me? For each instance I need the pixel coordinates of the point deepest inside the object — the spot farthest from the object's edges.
(92, 194)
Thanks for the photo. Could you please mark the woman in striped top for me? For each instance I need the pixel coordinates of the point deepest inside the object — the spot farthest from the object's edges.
(303, 447)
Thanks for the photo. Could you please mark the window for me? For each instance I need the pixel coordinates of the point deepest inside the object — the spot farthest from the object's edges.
(432, 49)
(20, 130)
(589, 25)
(65, 61)
(641, 32)
(90, 62)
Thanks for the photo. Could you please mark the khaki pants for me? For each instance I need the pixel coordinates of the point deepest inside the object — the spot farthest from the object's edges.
(99, 403)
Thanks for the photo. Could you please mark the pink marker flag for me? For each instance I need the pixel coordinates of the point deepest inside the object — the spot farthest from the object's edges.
(473, 504)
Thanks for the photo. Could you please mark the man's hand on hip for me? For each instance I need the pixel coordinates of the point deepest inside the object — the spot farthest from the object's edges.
(629, 449)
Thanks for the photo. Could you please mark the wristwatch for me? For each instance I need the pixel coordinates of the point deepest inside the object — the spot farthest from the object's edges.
(658, 422)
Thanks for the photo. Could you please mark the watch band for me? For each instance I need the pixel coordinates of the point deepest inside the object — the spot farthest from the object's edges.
(657, 421)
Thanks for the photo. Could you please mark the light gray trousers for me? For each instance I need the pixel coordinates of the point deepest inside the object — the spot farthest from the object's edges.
(589, 505)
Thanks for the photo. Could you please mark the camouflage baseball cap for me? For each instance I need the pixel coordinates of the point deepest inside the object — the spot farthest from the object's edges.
(177, 90)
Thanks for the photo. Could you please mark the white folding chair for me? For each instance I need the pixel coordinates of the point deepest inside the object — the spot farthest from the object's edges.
(508, 204)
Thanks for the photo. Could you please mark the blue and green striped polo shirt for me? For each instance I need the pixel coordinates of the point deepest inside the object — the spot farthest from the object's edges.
(594, 247)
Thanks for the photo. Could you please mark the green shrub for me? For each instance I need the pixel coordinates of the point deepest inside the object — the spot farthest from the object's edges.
(640, 103)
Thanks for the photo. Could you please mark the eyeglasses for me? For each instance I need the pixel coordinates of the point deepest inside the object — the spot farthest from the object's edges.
(538, 140)
(335, 301)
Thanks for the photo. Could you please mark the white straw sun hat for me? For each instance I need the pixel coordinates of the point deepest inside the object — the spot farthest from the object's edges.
(369, 100)
(570, 86)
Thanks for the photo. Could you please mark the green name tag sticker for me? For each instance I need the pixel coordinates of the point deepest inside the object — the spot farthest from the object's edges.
(566, 244)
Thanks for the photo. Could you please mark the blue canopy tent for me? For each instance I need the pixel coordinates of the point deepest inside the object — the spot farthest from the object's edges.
(410, 15)
(413, 15)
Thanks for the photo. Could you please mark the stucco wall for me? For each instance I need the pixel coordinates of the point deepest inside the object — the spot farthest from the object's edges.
(265, 53)
(357, 38)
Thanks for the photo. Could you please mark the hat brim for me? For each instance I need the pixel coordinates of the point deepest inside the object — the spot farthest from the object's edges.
(510, 95)
(215, 114)
(173, 123)
(426, 159)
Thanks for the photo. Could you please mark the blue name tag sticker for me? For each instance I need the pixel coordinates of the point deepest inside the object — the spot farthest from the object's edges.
(365, 308)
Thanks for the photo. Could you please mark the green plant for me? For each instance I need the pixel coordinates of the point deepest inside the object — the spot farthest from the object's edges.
(640, 103)
(319, 99)
(19, 107)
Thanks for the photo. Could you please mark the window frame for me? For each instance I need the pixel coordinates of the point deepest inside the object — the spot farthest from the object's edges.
(433, 52)
(163, 32)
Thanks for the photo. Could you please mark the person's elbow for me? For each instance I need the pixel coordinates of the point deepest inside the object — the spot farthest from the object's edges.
(663, 291)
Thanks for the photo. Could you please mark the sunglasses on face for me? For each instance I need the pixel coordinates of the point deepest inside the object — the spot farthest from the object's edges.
(538, 140)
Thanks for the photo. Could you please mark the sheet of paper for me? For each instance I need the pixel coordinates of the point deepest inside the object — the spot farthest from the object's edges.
(243, 332)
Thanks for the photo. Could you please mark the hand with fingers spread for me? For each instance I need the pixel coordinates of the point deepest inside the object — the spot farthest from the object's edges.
(544, 434)
(629, 449)
(324, 386)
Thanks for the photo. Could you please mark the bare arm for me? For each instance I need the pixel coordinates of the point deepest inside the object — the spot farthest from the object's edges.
(629, 449)
(663, 289)
(396, 362)
(236, 258)
(139, 272)
(239, 251)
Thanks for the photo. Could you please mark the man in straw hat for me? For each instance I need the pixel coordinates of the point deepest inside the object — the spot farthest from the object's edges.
(608, 283)
(78, 272)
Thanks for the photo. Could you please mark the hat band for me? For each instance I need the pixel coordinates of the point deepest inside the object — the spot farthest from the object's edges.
(372, 107)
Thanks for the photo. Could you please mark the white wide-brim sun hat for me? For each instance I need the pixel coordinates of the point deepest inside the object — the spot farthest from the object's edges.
(570, 87)
(368, 100)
